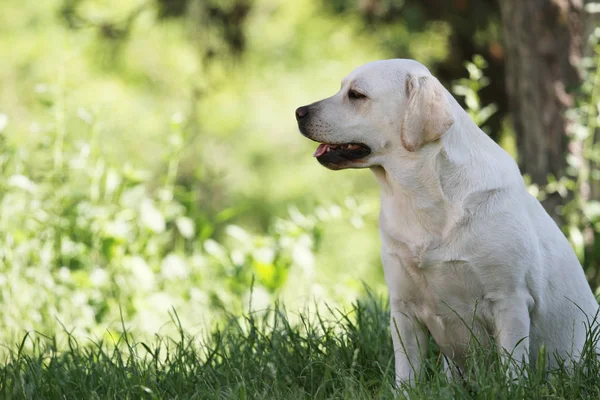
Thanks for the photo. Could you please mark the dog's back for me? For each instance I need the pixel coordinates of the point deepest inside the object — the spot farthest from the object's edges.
(565, 310)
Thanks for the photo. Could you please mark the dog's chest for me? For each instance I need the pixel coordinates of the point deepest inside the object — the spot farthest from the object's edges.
(443, 289)
(448, 298)
(444, 293)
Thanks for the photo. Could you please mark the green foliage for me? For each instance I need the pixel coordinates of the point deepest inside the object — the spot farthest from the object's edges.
(89, 237)
(470, 88)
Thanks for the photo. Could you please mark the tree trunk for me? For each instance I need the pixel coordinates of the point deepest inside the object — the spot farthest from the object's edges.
(543, 42)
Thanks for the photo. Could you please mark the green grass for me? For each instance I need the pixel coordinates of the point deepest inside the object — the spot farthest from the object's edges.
(266, 355)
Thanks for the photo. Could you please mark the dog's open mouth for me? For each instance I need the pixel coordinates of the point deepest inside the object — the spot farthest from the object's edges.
(338, 153)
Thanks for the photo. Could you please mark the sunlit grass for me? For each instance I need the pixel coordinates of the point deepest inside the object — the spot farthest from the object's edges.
(271, 354)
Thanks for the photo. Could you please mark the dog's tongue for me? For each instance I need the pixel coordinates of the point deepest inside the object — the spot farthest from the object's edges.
(322, 149)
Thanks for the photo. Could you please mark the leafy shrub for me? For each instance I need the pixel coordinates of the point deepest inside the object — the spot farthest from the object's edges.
(85, 242)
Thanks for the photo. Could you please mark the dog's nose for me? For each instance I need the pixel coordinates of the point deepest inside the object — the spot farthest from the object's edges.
(301, 112)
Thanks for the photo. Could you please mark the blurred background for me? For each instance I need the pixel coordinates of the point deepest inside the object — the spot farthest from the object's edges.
(151, 162)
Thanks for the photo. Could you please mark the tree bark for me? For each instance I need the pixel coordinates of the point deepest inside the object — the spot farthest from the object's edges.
(543, 42)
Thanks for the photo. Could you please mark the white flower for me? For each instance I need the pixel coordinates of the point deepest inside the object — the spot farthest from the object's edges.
(131, 198)
(3, 121)
(151, 216)
(335, 211)
(174, 267)
(22, 182)
(85, 115)
(186, 227)
(64, 274)
(214, 249)
(237, 257)
(116, 229)
(238, 233)
(178, 118)
(113, 180)
(79, 299)
(98, 277)
(198, 296)
(302, 254)
(322, 214)
(260, 299)
(161, 303)
(264, 255)
(144, 278)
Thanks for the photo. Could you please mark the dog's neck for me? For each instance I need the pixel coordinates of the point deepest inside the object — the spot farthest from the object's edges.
(413, 199)
(426, 191)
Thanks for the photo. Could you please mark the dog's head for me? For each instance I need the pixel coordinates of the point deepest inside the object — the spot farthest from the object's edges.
(381, 107)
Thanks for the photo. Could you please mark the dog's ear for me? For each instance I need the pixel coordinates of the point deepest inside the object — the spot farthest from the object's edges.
(427, 115)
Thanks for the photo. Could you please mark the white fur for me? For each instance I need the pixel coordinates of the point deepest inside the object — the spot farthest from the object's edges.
(464, 245)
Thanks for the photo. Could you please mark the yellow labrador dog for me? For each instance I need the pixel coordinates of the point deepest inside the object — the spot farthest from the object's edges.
(464, 245)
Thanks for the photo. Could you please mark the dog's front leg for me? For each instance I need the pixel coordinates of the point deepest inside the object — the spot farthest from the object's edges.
(410, 345)
(409, 337)
(512, 323)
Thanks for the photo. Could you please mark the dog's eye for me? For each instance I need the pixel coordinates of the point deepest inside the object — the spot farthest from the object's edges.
(354, 95)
